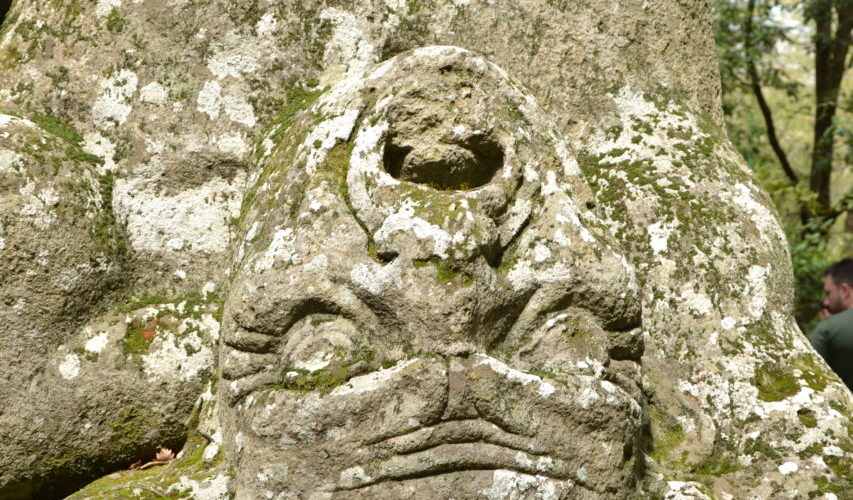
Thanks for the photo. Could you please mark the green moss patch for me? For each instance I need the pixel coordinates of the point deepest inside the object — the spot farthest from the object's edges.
(667, 434)
(807, 417)
(444, 273)
(775, 383)
(155, 482)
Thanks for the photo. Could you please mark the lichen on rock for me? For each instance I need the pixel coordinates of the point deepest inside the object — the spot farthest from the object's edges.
(526, 206)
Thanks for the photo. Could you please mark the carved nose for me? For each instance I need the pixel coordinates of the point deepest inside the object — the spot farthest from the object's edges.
(444, 166)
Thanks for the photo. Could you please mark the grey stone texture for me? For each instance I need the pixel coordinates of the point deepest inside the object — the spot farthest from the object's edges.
(531, 266)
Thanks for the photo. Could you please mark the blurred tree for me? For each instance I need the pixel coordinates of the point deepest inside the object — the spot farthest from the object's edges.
(749, 36)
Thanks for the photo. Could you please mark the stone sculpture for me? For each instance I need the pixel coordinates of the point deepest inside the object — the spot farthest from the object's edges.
(422, 217)
(578, 256)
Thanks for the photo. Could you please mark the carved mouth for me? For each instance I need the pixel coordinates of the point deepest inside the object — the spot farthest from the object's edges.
(454, 458)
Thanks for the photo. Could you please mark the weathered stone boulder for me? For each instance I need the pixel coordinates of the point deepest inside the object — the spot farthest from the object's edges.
(161, 156)
(425, 304)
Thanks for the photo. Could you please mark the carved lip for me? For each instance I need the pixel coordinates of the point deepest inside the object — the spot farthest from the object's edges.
(456, 431)
(455, 446)
(454, 458)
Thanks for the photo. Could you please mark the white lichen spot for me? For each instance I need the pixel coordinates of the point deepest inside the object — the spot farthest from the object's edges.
(153, 93)
(112, 108)
(541, 253)
(234, 144)
(352, 477)
(234, 61)
(728, 323)
(104, 7)
(405, 221)
(239, 110)
(267, 24)
(8, 161)
(97, 343)
(588, 397)
(763, 218)
(210, 452)
(659, 236)
(238, 442)
(199, 215)
(544, 388)
(96, 144)
(70, 367)
(178, 357)
(756, 290)
(348, 51)
(788, 468)
(697, 302)
(375, 277)
(6, 120)
(214, 488)
(510, 484)
(208, 288)
(210, 99)
(325, 136)
(281, 250)
(372, 381)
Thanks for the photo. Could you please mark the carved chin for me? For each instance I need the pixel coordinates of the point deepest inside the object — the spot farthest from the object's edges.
(430, 423)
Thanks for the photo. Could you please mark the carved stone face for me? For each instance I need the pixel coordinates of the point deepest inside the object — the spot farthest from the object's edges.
(425, 305)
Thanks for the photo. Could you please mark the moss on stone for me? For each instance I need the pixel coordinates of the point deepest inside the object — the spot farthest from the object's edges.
(134, 343)
(775, 383)
(300, 380)
(297, 99)
(444, 273)
(157, 482)
(667, 434)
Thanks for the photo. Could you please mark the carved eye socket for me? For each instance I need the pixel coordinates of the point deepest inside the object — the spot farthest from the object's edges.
(446, 166)
(317, 340)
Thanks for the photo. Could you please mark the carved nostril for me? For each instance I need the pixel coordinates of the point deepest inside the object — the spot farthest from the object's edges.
(466, 165)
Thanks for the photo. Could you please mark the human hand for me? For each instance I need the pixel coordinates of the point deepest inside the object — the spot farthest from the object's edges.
(824, 313)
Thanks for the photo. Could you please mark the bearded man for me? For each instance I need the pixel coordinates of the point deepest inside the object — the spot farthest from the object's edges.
(833, 337)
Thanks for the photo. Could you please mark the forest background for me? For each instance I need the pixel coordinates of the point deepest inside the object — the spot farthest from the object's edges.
(789, 110)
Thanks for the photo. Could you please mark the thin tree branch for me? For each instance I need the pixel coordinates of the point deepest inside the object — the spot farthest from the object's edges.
(766, 112)
(842, 40)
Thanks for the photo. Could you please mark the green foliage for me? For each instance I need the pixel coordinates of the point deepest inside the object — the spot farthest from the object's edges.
(772, 43)
(810, 257)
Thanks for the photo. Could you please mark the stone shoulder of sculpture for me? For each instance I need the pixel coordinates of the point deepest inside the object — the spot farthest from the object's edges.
(714, 263)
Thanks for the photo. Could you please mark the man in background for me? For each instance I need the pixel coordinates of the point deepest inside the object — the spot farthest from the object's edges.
(833, 337)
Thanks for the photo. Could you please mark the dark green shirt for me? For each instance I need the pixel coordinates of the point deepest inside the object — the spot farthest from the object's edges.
(833, 339)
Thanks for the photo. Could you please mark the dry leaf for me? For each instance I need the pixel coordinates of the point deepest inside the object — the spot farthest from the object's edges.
(164, 455)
